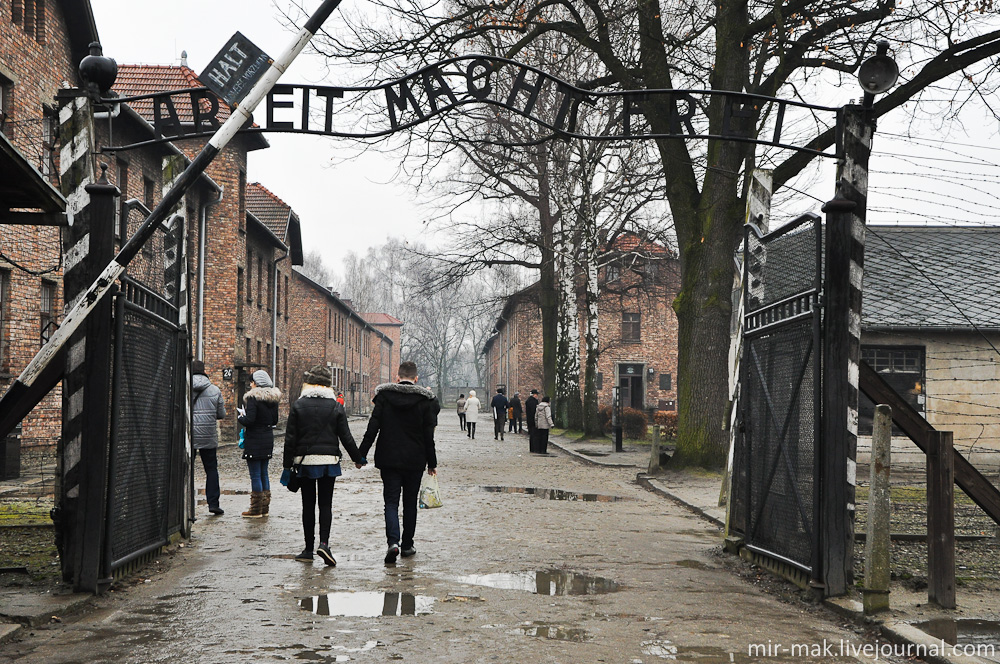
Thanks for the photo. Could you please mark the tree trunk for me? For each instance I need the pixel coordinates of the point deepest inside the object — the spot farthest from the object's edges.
(591, 409)
(548, 298)
(568, 408)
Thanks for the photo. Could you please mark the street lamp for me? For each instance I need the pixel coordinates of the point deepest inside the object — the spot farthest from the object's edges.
(877, 74)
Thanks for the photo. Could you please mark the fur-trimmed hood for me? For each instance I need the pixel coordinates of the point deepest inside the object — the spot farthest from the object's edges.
(269, 394)
(317, 392)
(405, 388)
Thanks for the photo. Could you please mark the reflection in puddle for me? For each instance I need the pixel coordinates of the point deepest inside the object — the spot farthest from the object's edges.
(548, 582)
(692, 564)
(555, 632)
(553, 494)
(963, 631)
(367, 604)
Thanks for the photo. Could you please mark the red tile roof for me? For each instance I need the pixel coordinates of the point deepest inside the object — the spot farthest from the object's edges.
(269, 209)
(134, 80)
(630, 242)
(381, 319)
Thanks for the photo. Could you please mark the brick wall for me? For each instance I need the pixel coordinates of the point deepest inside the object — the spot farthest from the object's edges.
(33, 68)
(514, 354)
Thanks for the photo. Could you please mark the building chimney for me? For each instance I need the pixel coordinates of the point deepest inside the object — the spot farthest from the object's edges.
(349, 303)
(184, 58)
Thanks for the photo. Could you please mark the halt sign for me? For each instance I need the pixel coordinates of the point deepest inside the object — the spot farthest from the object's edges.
(235, 69)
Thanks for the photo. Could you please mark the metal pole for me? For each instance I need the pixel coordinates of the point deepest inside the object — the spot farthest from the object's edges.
(239, 117)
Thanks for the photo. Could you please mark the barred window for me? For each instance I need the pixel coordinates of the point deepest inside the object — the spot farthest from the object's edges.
(631, 327)
(902, 367)
(47, 310)
(4, 298)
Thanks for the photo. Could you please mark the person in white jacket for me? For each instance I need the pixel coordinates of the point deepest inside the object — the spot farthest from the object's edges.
(471, 414)
(543, 422)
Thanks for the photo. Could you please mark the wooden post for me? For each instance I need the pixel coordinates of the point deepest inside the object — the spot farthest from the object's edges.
(845, 248)
(654, 452)
(941, 520)
(96, 396)
(877, 545)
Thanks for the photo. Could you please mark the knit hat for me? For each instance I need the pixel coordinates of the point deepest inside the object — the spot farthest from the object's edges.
(318, 375)
(261, 379)
(197, 367)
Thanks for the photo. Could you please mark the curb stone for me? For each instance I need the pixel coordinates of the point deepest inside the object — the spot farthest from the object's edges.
(9, 631)
(644, 481)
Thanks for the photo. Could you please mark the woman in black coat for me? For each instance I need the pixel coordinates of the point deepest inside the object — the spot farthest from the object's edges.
(258, 417)
(317, 424)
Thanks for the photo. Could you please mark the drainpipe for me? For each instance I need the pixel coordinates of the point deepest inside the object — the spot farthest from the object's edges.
(274, 322)
(202, 226)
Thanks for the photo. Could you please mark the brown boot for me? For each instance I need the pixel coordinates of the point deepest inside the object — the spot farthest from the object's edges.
(265, 503)
(256, 498)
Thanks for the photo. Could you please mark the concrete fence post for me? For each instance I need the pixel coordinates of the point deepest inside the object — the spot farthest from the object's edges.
(877, 545)
(654, 452)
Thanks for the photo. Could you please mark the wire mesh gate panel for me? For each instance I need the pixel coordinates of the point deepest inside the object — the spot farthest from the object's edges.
(146, 480)
(776, 463)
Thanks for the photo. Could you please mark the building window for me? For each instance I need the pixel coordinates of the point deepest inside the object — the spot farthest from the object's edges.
(50, 124)
(5, 85)
(631, 329)
(48, 310)
(239, 297)
(122, 203)
(260, 281)
(148, 192)
(30, 16)
(268, 359)
(613, 272)
(277, 299)
(286, 296)
(902, 367)
(270, 285)
(242, 211)
(259, 354)
(247, 357)
(4, 298)
(249, 275)
(284, 373)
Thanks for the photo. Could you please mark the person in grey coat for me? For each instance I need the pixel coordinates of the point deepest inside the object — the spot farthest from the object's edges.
(206, 408)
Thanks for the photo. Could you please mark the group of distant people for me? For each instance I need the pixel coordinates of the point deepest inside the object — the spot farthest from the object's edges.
(508, 413)
(402, 424)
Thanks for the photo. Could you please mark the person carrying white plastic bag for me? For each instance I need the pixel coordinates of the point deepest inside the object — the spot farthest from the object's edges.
(403, 421)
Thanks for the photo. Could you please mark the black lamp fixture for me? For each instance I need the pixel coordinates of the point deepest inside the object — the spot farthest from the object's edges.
(98, 71)
(877, 74)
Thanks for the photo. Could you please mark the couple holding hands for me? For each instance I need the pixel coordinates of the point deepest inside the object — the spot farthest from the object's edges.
(402, 422)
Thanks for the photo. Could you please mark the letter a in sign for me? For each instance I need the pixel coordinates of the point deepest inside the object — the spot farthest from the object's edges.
(235, 69)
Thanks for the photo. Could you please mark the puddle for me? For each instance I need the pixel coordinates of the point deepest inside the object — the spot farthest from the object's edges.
(548, 582)
(964, 631)
(554, 632)
(229, 492)
(554, 494)
(367, 604)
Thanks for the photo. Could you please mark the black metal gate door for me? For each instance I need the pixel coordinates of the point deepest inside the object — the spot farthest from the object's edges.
(776, 469)
(147, 465)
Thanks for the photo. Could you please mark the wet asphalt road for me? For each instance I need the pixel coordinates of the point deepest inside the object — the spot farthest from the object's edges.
(498, 577)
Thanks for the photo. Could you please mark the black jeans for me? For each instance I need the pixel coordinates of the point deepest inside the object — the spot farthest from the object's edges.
(210, 461)
(309, 488)
(542, 442)
(498, 427)
(461, 420)
(393, 482)
(471, 428)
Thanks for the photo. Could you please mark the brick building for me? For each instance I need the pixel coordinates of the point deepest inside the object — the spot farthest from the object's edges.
(327, 330)
(637, 331)
(40, 46)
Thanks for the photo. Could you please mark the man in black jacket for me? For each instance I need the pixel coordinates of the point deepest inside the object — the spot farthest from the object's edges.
(499, 405)
(529, 413)
(403, 420)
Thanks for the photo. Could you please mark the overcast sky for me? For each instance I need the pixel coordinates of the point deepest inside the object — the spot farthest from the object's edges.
(348, 207)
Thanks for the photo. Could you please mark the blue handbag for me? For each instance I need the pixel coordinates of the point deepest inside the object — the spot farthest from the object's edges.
(242, 434)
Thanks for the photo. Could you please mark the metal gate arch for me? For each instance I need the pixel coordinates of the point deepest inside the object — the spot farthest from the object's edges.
(777, 479)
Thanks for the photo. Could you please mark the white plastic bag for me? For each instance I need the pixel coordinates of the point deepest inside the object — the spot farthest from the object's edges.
(430, 493)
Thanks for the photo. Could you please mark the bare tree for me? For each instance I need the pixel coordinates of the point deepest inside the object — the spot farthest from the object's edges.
(314, 267)
(946, 49)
